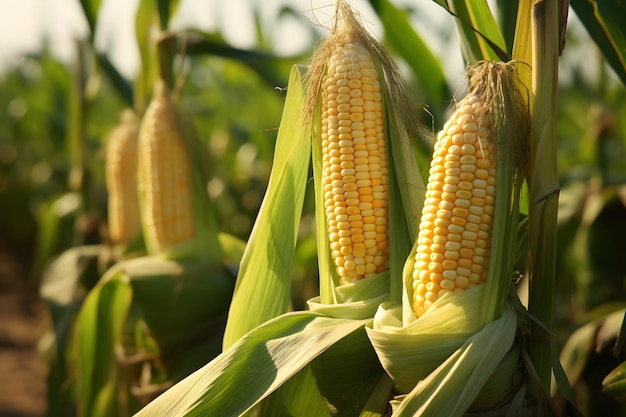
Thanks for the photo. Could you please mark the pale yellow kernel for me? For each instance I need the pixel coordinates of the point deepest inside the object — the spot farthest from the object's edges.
(468, 244)
(440, 231)
(465, 263)
(464, 272)
(466, 176)
(470, 127)
(457, 139)
(448, 205)
(475, 216)
(448, 283)
(435, 267)
(483, 165)
(458, 221)
(474, 278)
(481, 252)
(437, 257)
(468, 168)
(482, 243)
(476, 268)
(444, 214)
(452, 255)
(443, 292)
(469, 138)
(462, 282)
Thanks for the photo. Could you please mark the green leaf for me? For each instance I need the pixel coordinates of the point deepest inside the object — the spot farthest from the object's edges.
(91, 9)
(507, 15)
(347, 374)
(603, 20)
(262, 291)
(99, 330)
(61, 280)
(233, 248)
(615, 382)
(410, 46)
(270, 67)
(253, 367)
(167, 9)
(178, 300)
(298, 396)
(63, 284)
(122, 86)
(144, 20)
(479, 33)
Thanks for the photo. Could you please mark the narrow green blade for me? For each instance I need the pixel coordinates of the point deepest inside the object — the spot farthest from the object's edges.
(604, 20)
(410, 46)
(253, 367)
(262, 291)
(91, 9)
(478, 30)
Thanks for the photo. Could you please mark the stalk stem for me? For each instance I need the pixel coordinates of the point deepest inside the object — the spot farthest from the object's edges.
(543, 184)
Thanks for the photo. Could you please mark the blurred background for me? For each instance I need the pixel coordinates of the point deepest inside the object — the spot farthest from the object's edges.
(65, 79)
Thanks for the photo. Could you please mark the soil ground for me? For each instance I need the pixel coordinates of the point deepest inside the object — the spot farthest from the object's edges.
(23, 318)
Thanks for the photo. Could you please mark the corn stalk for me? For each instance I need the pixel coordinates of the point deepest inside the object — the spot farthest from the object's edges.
(543, 183)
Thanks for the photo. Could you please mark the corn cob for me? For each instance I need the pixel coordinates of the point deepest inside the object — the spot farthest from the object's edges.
(165, 176)
(454, 239)
(354, 170)
(121, 180)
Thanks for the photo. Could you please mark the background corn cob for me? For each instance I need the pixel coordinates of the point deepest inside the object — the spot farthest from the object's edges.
(355, 176)
(121, 180)
(165, 177)
(455, 231)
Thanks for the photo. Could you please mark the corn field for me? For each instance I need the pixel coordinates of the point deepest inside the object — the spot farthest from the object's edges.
(356, 229)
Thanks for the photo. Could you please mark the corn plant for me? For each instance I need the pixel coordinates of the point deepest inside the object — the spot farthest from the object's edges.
(418, 313)
(444, 319)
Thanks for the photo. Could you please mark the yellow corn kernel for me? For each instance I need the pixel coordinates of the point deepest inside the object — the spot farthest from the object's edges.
(121, 180)
(455, 230)
(165, 176)
(354, 167)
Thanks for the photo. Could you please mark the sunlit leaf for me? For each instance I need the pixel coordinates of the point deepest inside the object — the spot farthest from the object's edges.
(253, 367)
(263, 284)
(480, 35)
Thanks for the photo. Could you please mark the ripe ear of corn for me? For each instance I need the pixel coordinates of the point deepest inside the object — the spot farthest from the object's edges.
(355, 174)
(121, 180)
(453, 339)
(483, 141)
(454, 241)
(358, 100)
(177, 217)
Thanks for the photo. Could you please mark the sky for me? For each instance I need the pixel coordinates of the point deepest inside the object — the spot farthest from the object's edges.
(25, 24)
